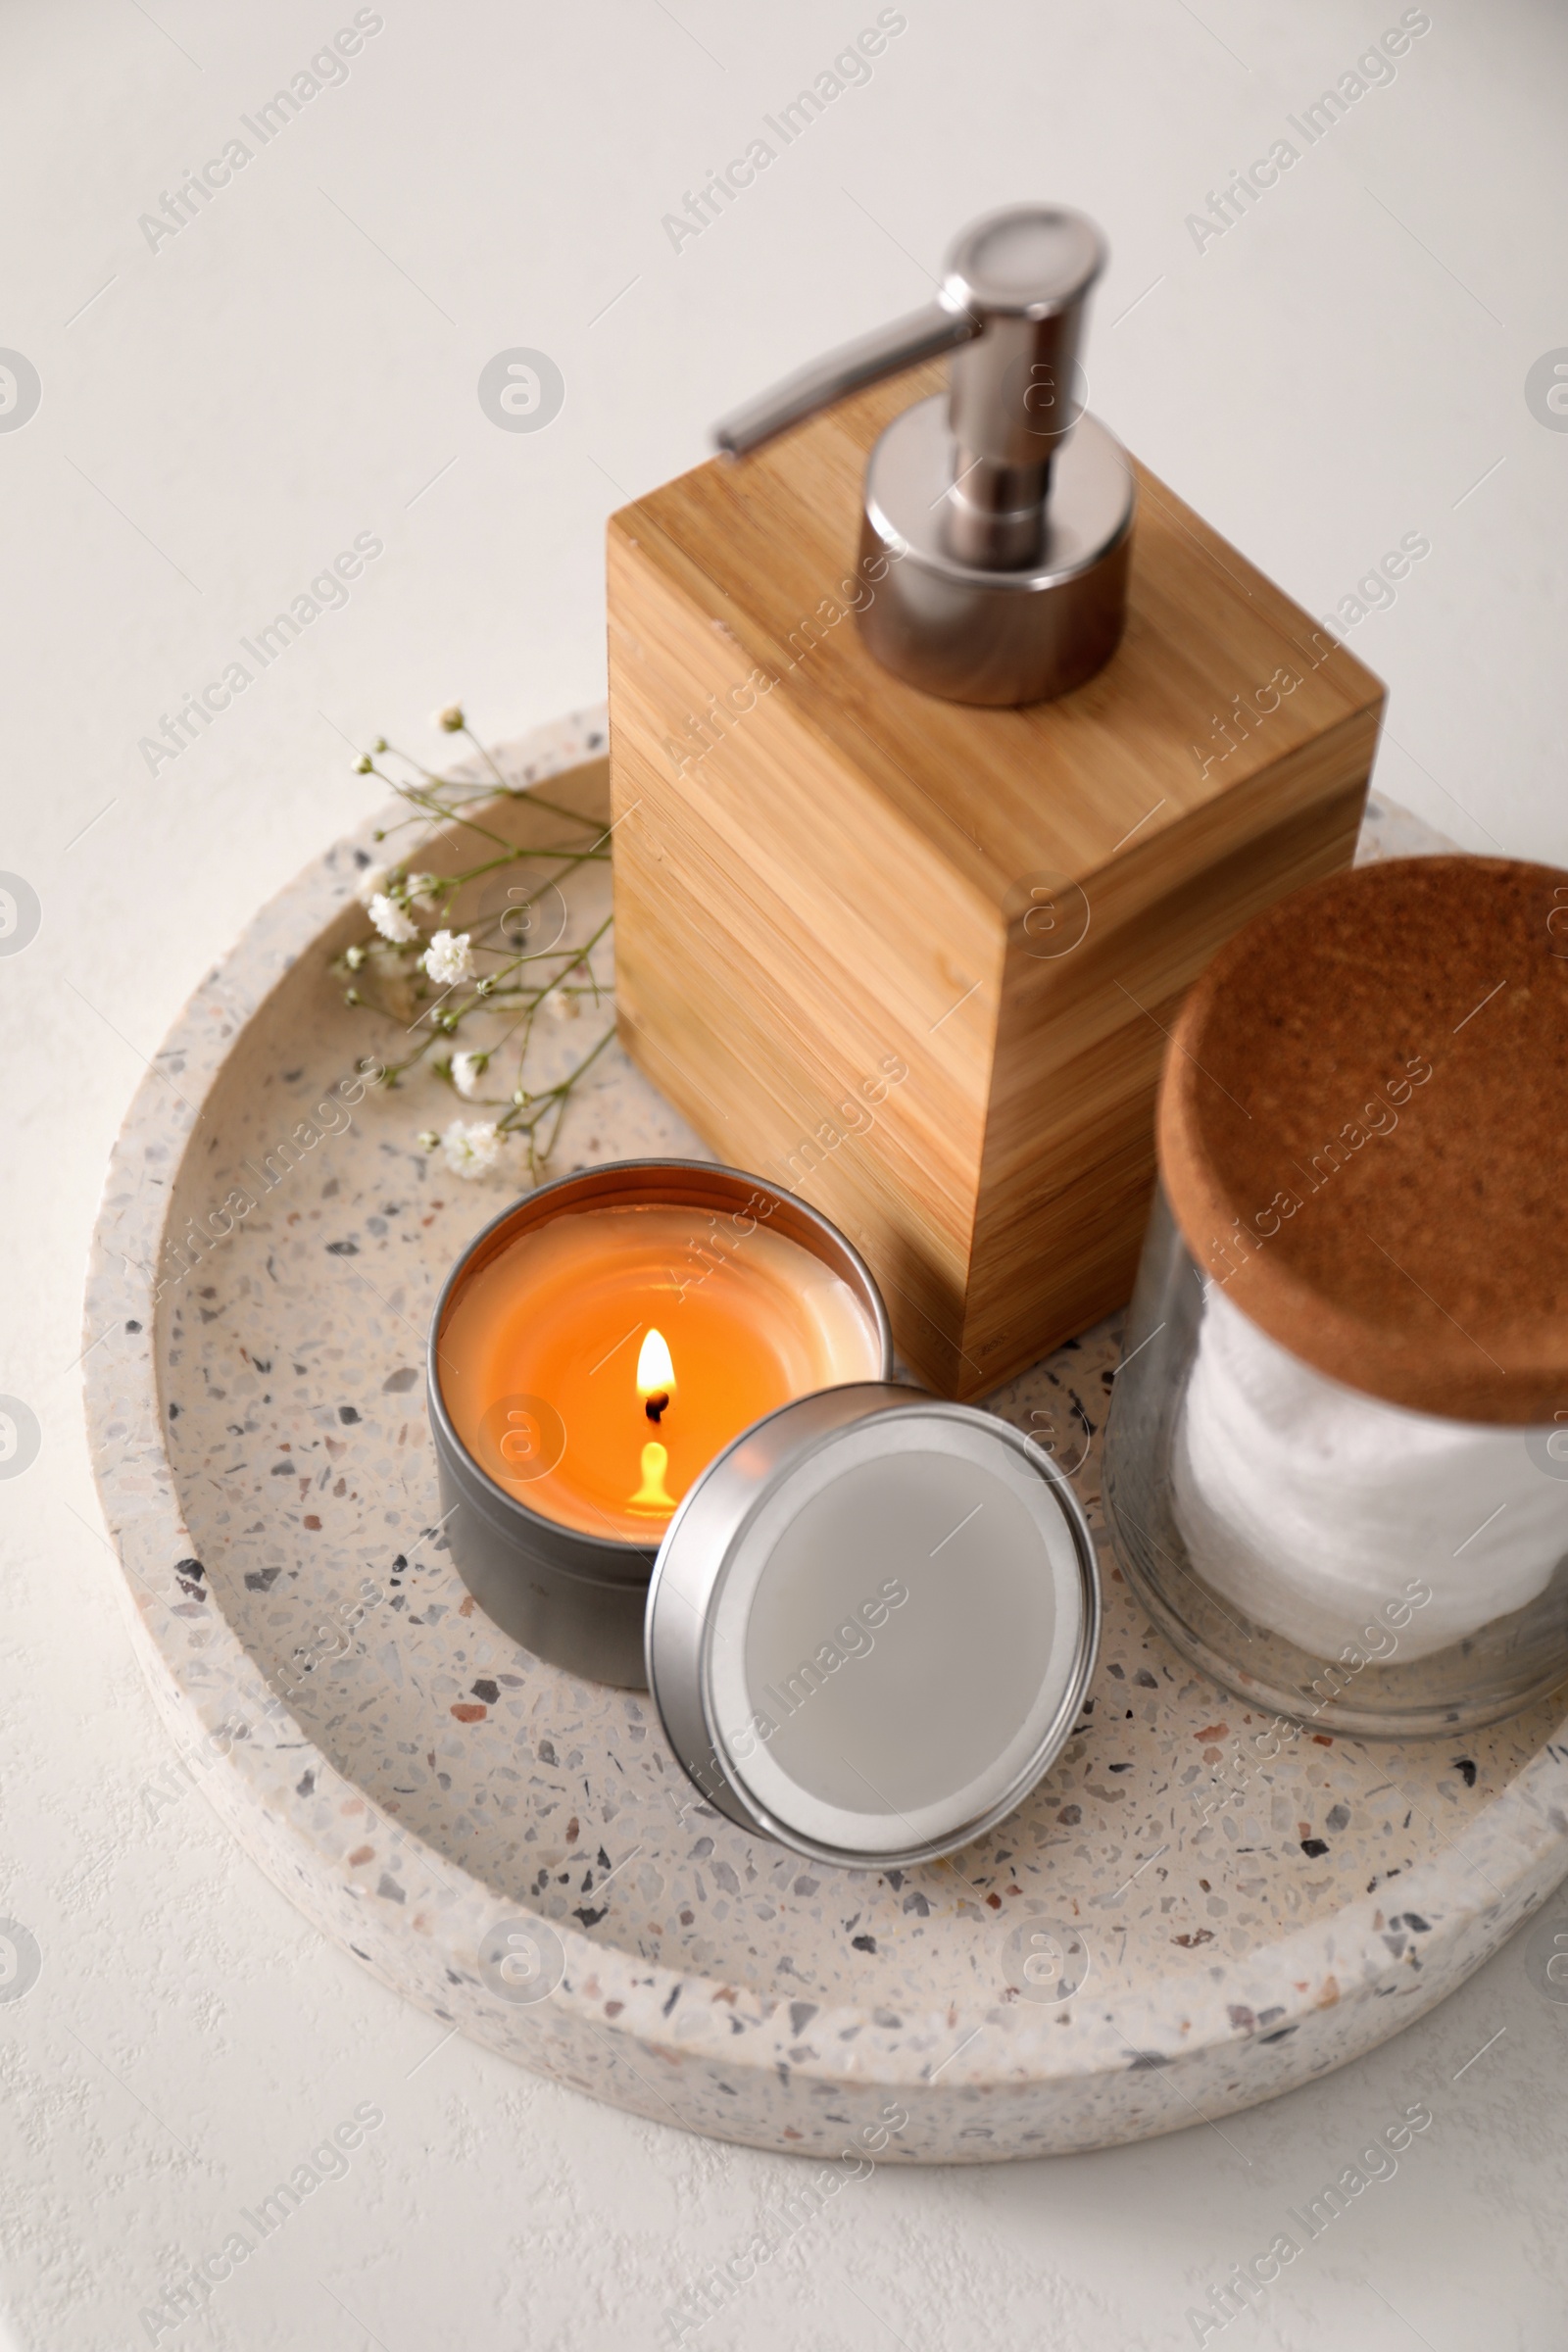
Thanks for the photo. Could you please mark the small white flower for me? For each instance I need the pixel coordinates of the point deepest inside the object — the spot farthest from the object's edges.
(421, 890)
(466, 1071)
(473, 1146)
(561, 1006)
(373, 883)
(448, 959)
(392, 920)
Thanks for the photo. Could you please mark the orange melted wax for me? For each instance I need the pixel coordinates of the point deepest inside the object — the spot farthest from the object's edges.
(540, 1354)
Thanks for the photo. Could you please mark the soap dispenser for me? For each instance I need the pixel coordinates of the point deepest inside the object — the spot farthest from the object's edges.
(947, 747)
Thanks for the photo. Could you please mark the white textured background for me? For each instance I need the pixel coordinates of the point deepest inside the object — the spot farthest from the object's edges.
(299, 364)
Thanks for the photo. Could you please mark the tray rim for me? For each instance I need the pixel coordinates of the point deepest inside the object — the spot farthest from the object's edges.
(1517, 1847)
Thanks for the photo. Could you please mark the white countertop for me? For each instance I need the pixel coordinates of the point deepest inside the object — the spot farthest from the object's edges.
(223, 410)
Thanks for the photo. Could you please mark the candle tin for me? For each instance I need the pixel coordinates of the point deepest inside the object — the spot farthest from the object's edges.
(1337, 1459)
(872, 1623)
(574, 1598)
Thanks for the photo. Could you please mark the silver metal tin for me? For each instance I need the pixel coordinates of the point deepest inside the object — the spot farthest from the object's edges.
(574, 1598)
(805, 1699)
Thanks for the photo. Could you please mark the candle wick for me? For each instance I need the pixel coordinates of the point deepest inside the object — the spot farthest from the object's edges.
(654, 1406)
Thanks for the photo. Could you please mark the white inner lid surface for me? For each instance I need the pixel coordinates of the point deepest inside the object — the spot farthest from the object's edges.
(895, 1632)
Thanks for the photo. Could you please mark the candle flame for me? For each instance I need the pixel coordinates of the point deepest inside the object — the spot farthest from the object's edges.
(650, 1496)
(655, 1371)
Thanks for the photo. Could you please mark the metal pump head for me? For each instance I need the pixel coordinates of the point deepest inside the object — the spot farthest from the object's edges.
(1009, 517)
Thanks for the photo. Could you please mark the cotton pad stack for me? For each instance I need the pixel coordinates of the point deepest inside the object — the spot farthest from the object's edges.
(1316, 1509)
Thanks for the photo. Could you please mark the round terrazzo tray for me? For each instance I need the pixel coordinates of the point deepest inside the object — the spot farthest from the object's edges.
(1228, 1922)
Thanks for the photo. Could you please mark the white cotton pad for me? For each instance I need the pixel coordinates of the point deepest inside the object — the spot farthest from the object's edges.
(1313, 1508)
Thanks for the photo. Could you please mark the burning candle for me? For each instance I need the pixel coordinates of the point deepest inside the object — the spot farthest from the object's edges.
(600, 1345)
(597, 1362)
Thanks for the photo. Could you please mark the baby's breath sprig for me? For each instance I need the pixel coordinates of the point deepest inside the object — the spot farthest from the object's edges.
(414, 969)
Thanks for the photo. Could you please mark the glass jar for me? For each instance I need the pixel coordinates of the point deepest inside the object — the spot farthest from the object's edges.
(1337, 1460)
(1326, 1556)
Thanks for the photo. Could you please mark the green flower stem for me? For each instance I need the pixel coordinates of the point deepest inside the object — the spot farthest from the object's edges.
(512, 791)
(575, 956)
(525, 1119)
(484, 755)
(522, 1116)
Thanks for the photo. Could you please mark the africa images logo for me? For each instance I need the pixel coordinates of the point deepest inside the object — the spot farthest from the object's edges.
(21, 390)
(1545, 390)
(521, 390)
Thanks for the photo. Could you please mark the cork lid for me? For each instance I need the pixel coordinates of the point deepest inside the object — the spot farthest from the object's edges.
(1363, 1132)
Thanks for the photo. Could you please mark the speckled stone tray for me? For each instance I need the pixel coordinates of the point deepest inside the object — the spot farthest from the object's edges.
(1229, 1922)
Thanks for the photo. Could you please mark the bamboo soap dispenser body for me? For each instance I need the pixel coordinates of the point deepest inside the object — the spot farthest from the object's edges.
(947, 747)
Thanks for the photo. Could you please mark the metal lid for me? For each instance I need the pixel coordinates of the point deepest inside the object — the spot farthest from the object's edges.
(872, 1623)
